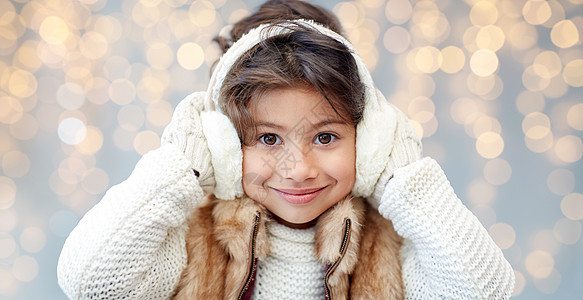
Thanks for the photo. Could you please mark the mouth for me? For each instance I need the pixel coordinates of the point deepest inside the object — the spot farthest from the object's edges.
(299, 196)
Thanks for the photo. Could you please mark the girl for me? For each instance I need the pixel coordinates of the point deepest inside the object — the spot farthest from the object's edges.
(291, 177)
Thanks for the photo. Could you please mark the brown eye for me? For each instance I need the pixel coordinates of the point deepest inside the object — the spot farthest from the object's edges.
(270, 139)
(324, 138)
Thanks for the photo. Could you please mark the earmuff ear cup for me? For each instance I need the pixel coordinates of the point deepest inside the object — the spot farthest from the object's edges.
(406, 148)
(227, 155)
(374, 142)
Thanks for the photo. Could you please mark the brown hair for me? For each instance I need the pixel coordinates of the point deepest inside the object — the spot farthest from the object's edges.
(277, 10)
(303, 58)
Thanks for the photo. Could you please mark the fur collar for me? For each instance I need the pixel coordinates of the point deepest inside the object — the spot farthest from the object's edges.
(231, 225)
(235, 218)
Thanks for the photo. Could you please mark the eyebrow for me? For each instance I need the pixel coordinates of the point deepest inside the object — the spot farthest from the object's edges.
(269, 125)
(316, 125)
(330, 122)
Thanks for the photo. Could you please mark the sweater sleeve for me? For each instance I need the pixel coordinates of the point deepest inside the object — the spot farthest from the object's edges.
(131, 245)
(446, 252)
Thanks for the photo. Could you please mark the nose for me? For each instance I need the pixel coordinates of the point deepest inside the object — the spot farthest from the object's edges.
(299, 165)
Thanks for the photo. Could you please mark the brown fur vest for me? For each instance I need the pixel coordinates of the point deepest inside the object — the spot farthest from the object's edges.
(226, 238)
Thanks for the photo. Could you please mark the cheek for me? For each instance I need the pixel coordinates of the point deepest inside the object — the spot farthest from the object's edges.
(254, 170)
(346, 172)
(341, 166)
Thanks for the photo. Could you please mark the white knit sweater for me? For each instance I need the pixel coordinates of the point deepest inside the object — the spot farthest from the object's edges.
(132, 244)
(291, 270)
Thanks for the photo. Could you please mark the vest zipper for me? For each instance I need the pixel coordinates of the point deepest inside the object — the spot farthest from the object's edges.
(251, 270)
(343, 248)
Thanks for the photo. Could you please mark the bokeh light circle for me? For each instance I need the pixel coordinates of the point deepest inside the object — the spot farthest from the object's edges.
(565, 34)
(490, 37)
(539, 264)
(452, 59)
(22, 84)
(396, 39)
(72, 131)
(503, 235)
(567, 231)
(190, 56)
(398, 11)
(497, 171)
(536, 125)
(575, 116)
(519, 283)
(484, 62)
(549, 284)
(15, 164)
(122, 91)
(569, 148)
(483, 13)
(572, 73)
(490, 145)
(481, 192)
(54, 30)
(547, 64)
(71, 96)
(7, 192)
(145, 141)
(572, 206)
(8, 246)
(536, 12)
(95, 181)
(25, 268)
(92, 142)
(33, 239)
(561, 181)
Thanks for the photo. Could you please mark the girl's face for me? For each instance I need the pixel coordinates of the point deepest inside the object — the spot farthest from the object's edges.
(303, 161)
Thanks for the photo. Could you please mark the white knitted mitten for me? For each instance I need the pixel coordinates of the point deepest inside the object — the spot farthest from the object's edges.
(185, 132)
(406, 149)
(447, 253)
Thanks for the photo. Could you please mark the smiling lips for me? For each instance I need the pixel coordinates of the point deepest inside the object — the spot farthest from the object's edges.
(299, 196)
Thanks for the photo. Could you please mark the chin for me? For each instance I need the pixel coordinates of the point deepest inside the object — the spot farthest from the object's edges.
(299, 222)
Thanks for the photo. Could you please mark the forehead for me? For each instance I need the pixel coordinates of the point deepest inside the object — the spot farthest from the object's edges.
(286, 104)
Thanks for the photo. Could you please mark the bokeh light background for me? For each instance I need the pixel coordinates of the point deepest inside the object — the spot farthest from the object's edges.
(494, 88)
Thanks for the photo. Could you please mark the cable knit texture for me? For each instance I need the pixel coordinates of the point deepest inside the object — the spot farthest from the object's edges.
(186, 133)
(446, 252)
(291, 270)
(131, 245)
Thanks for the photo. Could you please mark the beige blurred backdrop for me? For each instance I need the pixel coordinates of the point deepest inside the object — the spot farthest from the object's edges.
(493, 87)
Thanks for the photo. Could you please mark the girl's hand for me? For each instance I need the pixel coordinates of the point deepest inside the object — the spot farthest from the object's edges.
(406, 149)
(185, 132)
